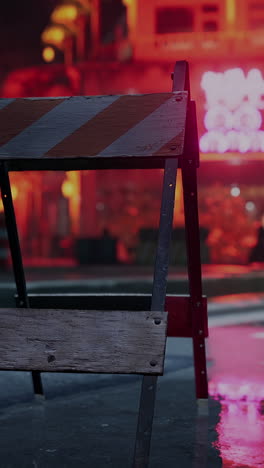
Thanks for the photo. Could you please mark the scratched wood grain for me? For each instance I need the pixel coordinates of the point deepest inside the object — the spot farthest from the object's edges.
(82, 341)
(93, 126)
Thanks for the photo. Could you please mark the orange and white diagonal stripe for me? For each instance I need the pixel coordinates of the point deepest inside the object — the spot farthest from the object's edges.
(96, 126)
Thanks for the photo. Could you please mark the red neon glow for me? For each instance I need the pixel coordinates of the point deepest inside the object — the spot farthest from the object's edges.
(233, 119)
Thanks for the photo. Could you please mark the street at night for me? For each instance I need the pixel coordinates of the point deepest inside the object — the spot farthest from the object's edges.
(95, 416)
(132, 234)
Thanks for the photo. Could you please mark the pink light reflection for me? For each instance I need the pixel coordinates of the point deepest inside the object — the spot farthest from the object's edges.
(241, 435)
(238, 370)
(237, 380)
(237, 390)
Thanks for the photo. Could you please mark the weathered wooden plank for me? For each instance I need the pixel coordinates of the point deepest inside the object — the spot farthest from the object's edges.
(94, 126)
(82, 341)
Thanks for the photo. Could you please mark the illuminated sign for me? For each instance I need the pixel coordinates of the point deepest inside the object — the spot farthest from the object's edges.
(233, 118)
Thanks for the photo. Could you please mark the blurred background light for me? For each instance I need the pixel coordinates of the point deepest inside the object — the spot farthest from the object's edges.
(64, 13)
(250, 206)
(48, 54)
(235, 191)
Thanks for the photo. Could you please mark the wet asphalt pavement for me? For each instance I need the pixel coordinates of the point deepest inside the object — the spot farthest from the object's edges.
(90, 420)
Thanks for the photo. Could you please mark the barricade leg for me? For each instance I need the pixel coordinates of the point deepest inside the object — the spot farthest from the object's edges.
(16, 256)
(189, 181)
(149, 383)
(181, 81)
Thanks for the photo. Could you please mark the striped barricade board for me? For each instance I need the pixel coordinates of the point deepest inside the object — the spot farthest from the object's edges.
(137, 126)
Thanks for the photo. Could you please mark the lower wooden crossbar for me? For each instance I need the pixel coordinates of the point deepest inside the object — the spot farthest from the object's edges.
(121, 342)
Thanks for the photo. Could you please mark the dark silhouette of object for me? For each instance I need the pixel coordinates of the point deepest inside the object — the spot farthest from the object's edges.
(97, 250)
(257, 252)
(146, 249)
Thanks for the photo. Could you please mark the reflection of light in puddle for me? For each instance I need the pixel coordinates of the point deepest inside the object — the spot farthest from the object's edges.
(241, 435)
(235, 391)
(241, 426)
(237, 382)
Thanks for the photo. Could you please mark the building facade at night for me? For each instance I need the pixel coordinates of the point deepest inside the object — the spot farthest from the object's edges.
(223, 42)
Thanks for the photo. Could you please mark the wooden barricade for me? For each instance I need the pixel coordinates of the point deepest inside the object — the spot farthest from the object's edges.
(107, 333)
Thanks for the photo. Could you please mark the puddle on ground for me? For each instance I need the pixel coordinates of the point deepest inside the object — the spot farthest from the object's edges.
(237, 381)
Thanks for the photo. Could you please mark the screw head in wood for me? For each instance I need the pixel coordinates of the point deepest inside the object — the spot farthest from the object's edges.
(157, 321)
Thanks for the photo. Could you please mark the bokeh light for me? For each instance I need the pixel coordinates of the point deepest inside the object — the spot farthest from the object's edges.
(48, 54)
